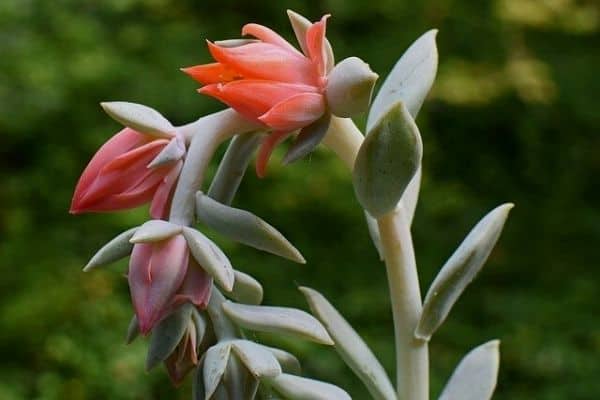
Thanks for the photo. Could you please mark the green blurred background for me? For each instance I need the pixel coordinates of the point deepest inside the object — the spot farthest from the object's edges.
(513, 116)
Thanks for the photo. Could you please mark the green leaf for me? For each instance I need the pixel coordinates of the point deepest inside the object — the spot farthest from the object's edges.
(139, 118)
(154, 231)
(277, 320)
(460, 269)
(233, 167)
(308, 139)
(210, 257)
(296, 388)
(215, 363)
(288, 362)
(244, 227)
(133, 330)
(410, 79)
(387, 160)
(116, 249)
(353, 350)
(167, 335)
(476, 375)
(260, 362)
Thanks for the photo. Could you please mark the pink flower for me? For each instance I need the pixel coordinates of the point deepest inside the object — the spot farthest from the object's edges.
(269, 81)
(185, 356)
(119, 176)
(161, 277)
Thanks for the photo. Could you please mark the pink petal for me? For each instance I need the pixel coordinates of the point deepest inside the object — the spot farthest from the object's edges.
(266, 149)
(268, 36)
(252, 98)
(315, 42)
(122, 142)
(267, 61)
(160, 201)
(156, 271)
(124, 174)
(196, 286)
(211, 73)
(295, 112)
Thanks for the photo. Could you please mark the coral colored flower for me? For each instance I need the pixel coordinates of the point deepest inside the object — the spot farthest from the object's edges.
(119, 176)
(161, 277)
(185, 356)
(269, 81)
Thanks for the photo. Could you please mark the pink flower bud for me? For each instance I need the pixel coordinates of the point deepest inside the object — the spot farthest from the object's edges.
(118, 176)
(269, 81)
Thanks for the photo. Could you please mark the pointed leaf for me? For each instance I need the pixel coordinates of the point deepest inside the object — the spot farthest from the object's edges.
(308, 139)
(172, 152)
(210, 257)
(374, 233)
(410, 79)
(154, 231)
(167, 335)
(353, 350)
(246, 289)
(387, 160)
(244, 227)
(118, 248)
(296, 388)
(233, 167)
(139, 118)
(288, 362)
(476, 375)
(259, 361)
(460, 269)
(198, 389)
(215, 362)
(201, 325)
(277, 320)
(133, 330)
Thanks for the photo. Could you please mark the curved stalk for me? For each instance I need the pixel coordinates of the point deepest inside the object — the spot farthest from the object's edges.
(412, 357)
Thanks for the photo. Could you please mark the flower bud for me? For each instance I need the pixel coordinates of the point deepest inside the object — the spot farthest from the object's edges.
(349, 87)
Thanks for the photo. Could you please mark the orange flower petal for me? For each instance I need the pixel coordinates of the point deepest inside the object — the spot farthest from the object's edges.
(267, 61)
(267, 35)
(266, 149)
(295, 112)
(315, 42)
(211, 73)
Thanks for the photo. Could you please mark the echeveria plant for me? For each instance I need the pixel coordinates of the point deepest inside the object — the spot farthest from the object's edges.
(196, 307)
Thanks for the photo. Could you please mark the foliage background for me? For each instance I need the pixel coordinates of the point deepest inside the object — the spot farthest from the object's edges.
(513, 117)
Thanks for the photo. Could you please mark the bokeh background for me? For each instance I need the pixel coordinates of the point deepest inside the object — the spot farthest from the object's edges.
(513, 116)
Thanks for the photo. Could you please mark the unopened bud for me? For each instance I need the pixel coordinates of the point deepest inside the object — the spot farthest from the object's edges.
(349, 87)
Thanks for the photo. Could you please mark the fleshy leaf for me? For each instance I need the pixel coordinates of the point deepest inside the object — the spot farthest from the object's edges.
(308, 139)
(460, 269)
(167, 335)
(288, 362)
(259, 361)
(387, 160)
(116, 249)
(246, 289)
(353, 350)
(210, 257)
(410, 79)
(139, 118)
(154, 231)
(278, 320)
(215, 362)
(172, 152)
(296, 388)
(233, 167)
(476, 375)
(244, 227)
(133, 330)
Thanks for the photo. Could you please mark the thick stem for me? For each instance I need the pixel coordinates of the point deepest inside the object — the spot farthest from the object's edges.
(204, 135)
(412, 357)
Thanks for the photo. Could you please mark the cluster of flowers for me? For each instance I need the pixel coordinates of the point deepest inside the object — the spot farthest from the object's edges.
(267, 81)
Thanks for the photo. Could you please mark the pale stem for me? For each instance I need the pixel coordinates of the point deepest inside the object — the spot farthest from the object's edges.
(204, 136)
(412, 357)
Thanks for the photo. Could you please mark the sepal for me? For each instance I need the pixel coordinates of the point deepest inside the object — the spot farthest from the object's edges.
(140, 118)
(118, 248)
